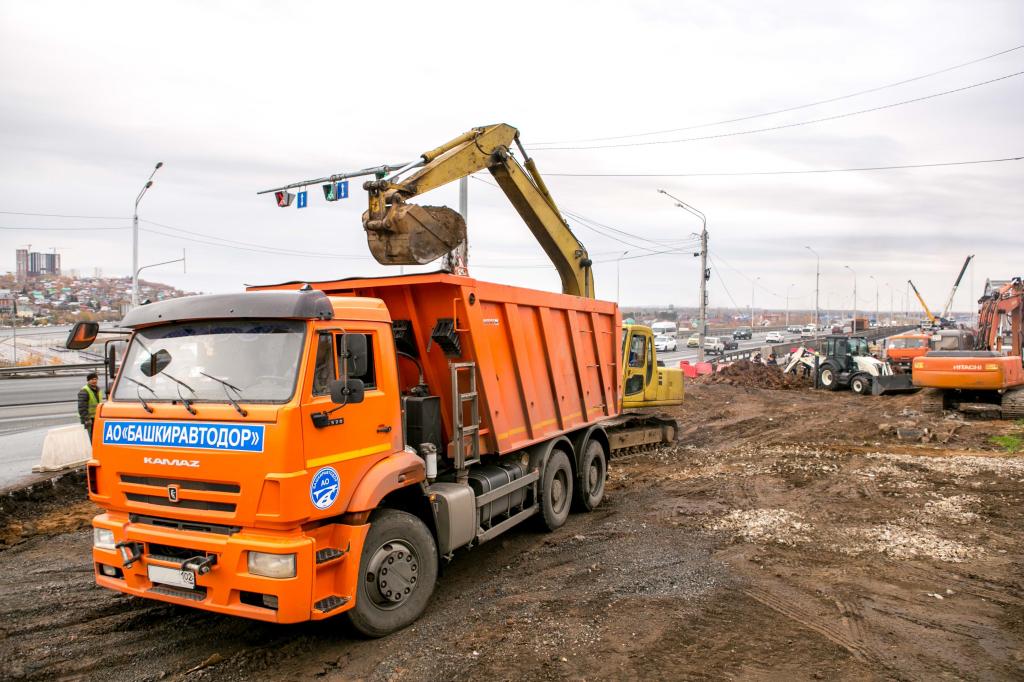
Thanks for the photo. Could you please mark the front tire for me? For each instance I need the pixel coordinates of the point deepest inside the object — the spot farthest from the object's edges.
(593, 468)
(861, 384)
(827, 377)
(397, 574)
(556, 490)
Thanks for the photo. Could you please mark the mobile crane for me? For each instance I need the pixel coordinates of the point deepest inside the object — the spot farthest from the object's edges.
(952, 293)
(308, 449)
(932, 320)
(990, 378)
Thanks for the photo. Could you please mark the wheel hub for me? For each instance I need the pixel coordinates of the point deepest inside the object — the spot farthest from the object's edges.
(391, 574)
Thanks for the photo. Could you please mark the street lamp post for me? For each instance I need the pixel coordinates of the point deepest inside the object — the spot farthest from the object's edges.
(704, 272)
(753, 287)
(135, 235)
(618, 272)
(877, 320)
(853, 319)
(817, 284)
(166, 262)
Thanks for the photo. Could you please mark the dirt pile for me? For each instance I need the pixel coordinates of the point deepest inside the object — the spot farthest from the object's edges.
(749, 374)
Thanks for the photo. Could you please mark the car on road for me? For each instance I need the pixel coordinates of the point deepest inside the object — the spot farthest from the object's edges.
(793, 329)
(730, 343)
(808, 332)
(664, 342)
(713, 344)
(693, 341)
(774, 337)
(742, 333)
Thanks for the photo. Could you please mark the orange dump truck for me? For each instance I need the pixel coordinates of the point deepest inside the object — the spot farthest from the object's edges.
(294, 454)
(903, 348)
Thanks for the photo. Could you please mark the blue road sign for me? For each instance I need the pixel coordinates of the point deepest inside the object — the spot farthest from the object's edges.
(300, 199)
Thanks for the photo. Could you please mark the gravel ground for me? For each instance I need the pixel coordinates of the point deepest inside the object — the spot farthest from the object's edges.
(784, 536)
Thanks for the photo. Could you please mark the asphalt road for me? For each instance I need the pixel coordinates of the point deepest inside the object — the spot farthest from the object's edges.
(672, 358)
(28, 409)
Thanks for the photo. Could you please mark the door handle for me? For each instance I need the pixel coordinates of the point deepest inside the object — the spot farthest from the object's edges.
(383, 429)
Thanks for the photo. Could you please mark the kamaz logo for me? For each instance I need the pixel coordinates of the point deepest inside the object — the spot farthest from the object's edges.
(966, 366)
(164, 461)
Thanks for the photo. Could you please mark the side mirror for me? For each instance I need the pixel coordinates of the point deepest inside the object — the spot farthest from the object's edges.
(346, 392)
(155, 363)
(354, 351)
(82, 335)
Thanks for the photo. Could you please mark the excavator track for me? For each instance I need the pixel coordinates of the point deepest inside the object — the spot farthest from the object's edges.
(933, 401)
(1013, 404)
(633, 433)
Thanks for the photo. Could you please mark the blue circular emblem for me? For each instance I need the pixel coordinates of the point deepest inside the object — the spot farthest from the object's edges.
(324, 488)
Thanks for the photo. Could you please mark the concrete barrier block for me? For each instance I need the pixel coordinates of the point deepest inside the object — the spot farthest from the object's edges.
(65, 447)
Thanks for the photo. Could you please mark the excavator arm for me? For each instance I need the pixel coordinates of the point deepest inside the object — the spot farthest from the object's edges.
(931, 318)
(400, 233)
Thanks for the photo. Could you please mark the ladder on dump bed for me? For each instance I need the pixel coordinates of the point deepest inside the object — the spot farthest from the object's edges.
(460, 429)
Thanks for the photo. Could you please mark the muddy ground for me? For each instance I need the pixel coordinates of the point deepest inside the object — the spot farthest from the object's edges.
(786, 536)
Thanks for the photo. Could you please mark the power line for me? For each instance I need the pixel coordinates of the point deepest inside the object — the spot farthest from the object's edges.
(252, 245)
(273, 251)
(788, 125)
(789, 172)
(62, 215)
(793, 108)
(65, 229)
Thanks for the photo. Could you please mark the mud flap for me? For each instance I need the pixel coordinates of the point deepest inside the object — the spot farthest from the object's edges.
(893, 383)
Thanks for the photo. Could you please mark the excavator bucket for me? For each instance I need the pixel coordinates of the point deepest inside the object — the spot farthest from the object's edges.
(892, 383)
(411, 234)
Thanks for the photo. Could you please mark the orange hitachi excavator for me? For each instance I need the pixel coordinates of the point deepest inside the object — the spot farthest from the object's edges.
(990, 378)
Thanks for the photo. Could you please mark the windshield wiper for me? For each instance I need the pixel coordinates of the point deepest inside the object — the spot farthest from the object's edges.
(184, 401)
(226, 385)
(142, 400)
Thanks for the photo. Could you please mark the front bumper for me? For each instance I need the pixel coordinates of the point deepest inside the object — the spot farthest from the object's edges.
(324, 583)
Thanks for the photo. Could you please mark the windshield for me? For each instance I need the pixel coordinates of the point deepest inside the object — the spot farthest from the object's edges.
(908, 343)
(946, 342)
(258, 358)
(858, 346)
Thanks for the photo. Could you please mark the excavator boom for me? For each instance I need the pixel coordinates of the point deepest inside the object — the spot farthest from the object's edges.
(400, 233)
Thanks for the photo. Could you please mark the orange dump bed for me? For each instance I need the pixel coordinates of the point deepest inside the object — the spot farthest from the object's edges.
(546, 363)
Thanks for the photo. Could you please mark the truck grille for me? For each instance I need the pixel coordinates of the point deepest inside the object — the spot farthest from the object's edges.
(177, 524)
(205, 505)
(155, 490)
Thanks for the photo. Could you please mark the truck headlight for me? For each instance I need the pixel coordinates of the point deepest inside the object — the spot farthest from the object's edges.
(272, 565)
(103, 538)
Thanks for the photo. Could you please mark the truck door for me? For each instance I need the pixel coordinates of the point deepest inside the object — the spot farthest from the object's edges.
(351, 438)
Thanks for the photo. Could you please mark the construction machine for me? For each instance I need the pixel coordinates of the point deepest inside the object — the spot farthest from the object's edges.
(307, 449)
(847, 363)
(988, 379)
(946, 321)
(901, 349)
(932, 322)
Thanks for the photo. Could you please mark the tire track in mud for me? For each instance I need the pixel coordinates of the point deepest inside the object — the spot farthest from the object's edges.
(849, 634)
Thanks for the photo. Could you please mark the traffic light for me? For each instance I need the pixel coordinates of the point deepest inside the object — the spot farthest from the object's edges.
(284, 198)
(336, 190)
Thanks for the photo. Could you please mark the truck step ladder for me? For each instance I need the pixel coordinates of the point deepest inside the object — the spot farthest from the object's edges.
(460, 429)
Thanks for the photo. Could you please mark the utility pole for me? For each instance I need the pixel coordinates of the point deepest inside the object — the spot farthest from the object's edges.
(135, 236)
(817, 285)
(788, 289)
(877, 321)
(705, 274)
(618, 273)
(753, 288)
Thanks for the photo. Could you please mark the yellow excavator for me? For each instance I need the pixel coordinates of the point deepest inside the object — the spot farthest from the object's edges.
(402, 233)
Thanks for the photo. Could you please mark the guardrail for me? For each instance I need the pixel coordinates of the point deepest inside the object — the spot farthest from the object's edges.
(48, 370)
(782, 348)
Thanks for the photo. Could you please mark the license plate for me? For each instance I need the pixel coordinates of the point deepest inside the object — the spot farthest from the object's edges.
(172, 576)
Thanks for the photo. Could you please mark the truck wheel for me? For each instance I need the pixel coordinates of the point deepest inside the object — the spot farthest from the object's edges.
(861, 384)
(828, 378)
(593, 468)
(397, 574)
(556, 490)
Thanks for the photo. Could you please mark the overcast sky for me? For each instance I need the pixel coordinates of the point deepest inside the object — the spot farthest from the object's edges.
(238, 97)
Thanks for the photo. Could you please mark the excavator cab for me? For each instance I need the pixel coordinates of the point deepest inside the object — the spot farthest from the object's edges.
(646, 381)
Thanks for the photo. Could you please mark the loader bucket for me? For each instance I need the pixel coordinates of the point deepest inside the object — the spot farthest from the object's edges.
(411, 234)
(893, 383)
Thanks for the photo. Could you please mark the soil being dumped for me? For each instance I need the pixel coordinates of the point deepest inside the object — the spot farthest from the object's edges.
(784, 536)
(755, 375)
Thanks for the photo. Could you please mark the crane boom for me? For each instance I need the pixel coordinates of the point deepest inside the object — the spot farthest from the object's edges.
(949, 301)
(931, 318)
(399, 233)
